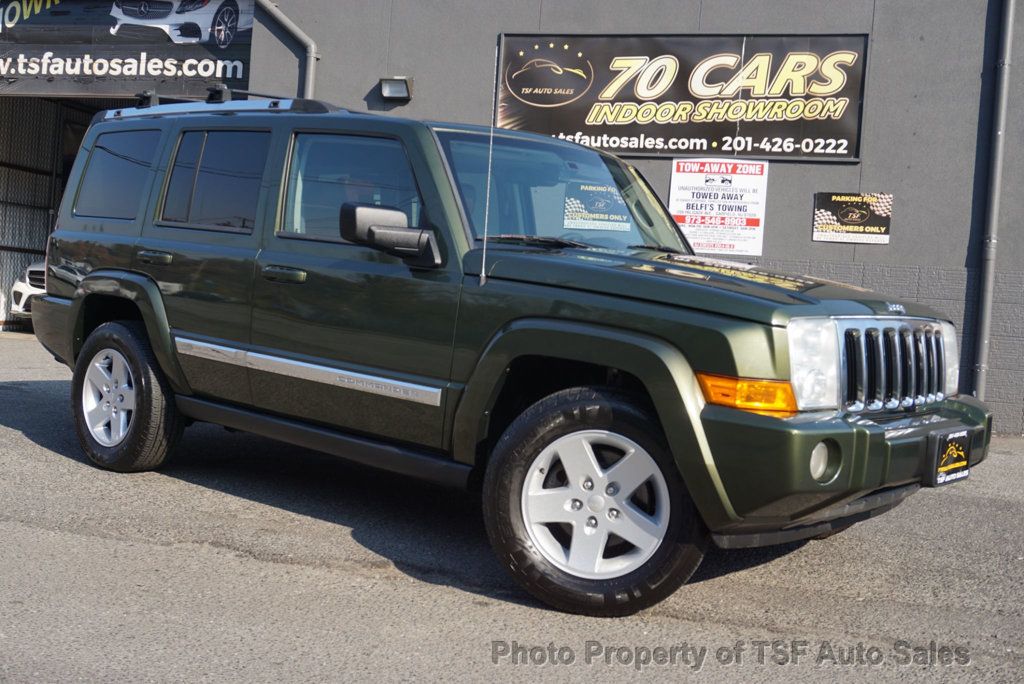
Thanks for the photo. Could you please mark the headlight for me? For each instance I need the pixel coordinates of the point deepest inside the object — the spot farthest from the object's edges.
(190, 5)
(952, 361)
(814, 362)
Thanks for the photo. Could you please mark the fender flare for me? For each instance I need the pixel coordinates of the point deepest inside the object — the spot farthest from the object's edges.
(145, 294)
(661, 367)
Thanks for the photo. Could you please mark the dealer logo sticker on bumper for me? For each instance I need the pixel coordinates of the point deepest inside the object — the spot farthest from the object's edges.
(952, 457)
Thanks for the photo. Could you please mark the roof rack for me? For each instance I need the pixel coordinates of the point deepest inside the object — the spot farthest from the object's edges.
(221, 100)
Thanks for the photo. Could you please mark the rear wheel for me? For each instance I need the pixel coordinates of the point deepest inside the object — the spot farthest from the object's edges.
(124, 409)
(586, 508)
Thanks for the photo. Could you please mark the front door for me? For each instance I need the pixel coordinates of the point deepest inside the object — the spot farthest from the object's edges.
(342, 334)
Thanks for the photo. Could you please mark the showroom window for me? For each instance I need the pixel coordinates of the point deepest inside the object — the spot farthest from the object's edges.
(328, 170)
(215, 180)
(116, 175)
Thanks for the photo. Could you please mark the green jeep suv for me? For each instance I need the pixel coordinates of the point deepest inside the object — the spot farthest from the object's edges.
(488, 309)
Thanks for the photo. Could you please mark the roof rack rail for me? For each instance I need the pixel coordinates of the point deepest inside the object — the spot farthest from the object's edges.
(147, 98)
(221, 100)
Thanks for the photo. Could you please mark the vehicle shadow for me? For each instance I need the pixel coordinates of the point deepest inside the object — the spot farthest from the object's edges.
(432, 534)
(720, 562)
(429, 533)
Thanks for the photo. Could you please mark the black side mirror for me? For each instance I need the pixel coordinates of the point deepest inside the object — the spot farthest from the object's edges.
(388, 230)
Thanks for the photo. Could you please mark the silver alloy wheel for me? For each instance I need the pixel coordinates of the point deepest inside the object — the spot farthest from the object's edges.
(576, 511)
(108, 397)
(225, 25)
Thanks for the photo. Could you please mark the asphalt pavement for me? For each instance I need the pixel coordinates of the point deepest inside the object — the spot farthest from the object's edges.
(250, 560)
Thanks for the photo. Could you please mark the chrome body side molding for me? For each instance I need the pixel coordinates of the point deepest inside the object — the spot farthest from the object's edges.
(359, 382)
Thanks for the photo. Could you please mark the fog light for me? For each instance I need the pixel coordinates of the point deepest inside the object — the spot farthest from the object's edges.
(819, 461)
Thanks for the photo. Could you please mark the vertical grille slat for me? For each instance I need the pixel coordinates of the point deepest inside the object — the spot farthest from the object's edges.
(856, 371)
(911, 364)
(920, 367)
(894, 368)
(889, 364)
(874, 392)
(864, 370)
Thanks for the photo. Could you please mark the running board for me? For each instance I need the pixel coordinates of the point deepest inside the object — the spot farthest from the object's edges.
(397, 459)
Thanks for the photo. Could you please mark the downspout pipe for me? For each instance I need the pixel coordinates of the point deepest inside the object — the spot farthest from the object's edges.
(995, 182)
(293, 29)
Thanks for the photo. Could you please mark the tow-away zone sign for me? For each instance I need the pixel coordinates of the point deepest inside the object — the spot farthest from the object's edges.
(719, 204)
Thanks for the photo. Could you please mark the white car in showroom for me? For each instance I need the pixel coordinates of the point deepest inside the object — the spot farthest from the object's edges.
(31, 283)
(188, 21)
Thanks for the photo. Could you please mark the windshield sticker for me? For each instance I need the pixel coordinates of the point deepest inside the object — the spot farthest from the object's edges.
(595, 206)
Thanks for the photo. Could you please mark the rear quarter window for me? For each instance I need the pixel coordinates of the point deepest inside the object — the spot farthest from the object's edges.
(116, 175)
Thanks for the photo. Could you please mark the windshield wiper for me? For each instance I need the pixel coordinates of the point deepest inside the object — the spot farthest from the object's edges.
(539, 240)
(658, 248)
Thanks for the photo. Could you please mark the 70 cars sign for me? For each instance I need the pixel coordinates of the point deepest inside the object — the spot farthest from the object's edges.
(755, 96)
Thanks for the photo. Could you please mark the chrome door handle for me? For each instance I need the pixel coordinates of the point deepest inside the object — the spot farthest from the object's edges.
(156, 258)
(283, 274)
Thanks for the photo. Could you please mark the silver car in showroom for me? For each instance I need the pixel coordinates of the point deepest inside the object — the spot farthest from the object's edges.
(31, 283)
(217, 22)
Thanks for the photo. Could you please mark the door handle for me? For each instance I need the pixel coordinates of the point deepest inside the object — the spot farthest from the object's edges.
(156, 258)
(283, 274)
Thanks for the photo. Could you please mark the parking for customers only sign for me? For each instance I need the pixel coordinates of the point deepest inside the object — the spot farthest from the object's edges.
(719, 204)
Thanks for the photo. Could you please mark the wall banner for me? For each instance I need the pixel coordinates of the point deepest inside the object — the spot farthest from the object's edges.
(853, 217)
(719, 204)
(118, 48)
(762, 96)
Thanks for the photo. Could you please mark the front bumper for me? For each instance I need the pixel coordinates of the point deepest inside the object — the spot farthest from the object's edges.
(763, 465)
(195, 28)
(22, 297)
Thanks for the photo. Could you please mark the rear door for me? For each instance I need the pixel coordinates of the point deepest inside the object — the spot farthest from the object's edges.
(345, 335)
(200, 246)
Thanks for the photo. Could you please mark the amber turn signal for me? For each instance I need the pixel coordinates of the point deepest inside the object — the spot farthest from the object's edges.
(771, 397)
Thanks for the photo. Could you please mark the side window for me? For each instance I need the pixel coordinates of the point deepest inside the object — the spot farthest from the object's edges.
(215, 179)
(116, 175)
(329, 170)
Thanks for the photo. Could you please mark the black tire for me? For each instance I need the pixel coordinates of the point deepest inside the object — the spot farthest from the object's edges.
(156, 425)
(558, 415)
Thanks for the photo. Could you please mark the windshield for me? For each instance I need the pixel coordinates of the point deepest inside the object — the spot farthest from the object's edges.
(557, 192)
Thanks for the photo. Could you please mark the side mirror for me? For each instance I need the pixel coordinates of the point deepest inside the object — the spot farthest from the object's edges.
(388, 230)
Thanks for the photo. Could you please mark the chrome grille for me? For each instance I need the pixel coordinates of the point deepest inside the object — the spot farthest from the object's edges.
(146, 9)
(889, 364)
(37, 279)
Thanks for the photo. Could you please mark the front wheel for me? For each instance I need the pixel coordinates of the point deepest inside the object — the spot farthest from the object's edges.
(585, 507)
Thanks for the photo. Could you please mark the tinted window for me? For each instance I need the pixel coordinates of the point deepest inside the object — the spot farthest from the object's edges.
(327, 171)
(116, 175)
(216, 179)
(179, 189)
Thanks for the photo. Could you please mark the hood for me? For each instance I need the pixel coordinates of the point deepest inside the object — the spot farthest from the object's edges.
(715, 285)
